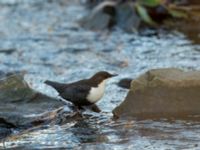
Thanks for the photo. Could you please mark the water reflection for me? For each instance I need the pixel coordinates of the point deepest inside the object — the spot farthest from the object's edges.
(86, 132)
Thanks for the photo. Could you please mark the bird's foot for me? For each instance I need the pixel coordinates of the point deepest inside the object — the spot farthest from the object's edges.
(77, 109)
(95, 108)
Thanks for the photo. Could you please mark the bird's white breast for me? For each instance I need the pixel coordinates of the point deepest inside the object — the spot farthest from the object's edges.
(96, 93)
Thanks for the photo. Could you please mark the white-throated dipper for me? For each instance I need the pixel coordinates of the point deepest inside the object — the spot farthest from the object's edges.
(83, 92)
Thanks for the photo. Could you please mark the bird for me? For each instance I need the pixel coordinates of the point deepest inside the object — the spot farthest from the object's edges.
(83, 92)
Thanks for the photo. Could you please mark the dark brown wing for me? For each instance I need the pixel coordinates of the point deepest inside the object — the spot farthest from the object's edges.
(76, 94)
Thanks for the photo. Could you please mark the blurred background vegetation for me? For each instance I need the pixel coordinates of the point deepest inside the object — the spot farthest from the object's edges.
(131, 15)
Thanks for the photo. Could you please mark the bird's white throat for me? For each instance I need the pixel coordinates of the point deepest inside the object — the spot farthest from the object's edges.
(96, 93)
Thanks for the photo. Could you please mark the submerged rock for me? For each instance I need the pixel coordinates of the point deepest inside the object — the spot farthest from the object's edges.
(8, 51)
(125, 83)
(5, 128)
(20, 105)
(162, 93)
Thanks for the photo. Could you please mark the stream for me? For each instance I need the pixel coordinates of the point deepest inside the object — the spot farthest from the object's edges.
(43, 38)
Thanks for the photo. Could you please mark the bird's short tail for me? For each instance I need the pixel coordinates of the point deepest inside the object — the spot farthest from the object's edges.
(58, 86)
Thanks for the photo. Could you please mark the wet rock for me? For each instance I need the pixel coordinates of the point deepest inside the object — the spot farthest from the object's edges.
(8, 51)
(126, 17)
(102, 17)
(4, 123)
(162, 93)
(91, 3)
(5, 128)
(58, 116)
(75, 49)
(110, 13)
(2, 74)
(4, 132)
(125, 83)
(190, 28)
(20, 104)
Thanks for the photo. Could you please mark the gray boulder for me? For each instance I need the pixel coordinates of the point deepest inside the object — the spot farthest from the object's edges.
(21, 105)
(102, 17)
(110, 13)
(162, 93)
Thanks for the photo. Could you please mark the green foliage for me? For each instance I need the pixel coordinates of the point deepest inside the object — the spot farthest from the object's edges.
(142, 8)
(177, 13)
(150, 3)
(144, 14)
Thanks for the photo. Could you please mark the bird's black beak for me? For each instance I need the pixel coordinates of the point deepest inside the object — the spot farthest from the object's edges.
(114, 75)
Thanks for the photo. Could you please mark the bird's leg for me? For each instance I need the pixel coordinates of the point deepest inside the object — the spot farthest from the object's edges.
(78, 109)
(73, 107)
(93, 108)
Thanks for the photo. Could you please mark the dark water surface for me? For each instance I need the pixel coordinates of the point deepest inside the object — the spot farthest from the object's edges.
(43, 37)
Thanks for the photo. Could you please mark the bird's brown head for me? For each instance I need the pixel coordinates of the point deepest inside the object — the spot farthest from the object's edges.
(102, 75)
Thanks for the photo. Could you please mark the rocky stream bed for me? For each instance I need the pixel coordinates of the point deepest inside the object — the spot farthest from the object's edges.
(43, 40)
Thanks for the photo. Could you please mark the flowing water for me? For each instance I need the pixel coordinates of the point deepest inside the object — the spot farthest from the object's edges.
(43, 38)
